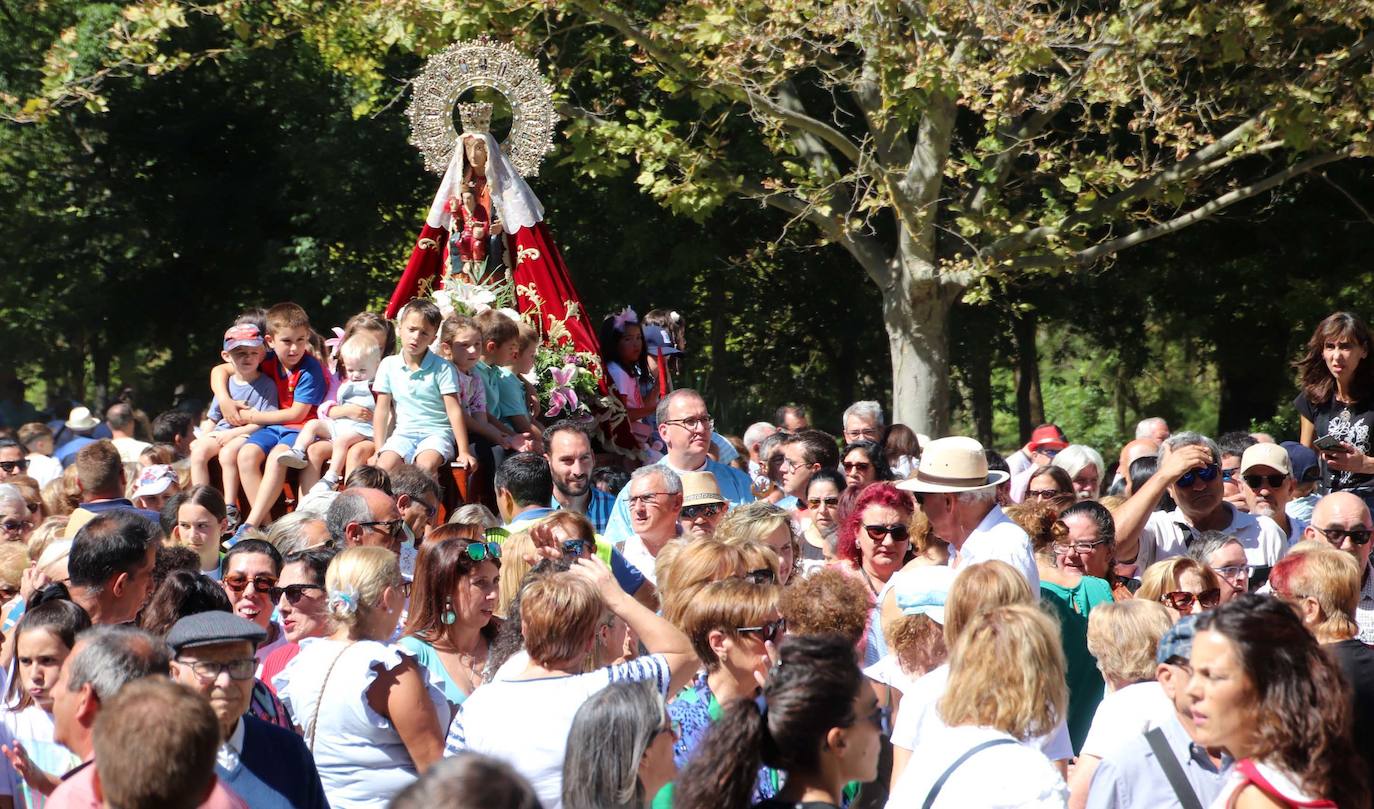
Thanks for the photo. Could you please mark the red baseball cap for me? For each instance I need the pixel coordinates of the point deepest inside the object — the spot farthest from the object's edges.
(1046, 436)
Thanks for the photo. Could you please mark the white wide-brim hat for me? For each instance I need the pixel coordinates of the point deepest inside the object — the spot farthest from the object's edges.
(80, 419)
(952, 464)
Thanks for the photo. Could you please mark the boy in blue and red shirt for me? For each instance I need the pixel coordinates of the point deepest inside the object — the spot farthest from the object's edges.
(301, 386)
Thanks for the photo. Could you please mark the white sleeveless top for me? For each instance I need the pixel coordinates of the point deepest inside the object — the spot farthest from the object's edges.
(360, 756)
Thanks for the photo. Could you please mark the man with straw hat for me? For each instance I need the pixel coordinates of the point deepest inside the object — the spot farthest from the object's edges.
(959, 496)
(703, 506)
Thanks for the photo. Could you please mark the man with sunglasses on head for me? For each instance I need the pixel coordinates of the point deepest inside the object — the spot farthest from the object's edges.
(1190, 472)
(1342, 519)
(685, 425)
(1266, 480)
(267, 766)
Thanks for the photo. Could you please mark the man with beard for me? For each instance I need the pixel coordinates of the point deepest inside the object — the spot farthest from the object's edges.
(569, 452)
(1266, 476)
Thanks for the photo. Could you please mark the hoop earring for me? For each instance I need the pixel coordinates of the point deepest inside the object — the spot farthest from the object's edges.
(449, 617)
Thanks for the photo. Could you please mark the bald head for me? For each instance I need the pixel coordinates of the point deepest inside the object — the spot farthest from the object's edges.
(1138, 448)
(1336, 517)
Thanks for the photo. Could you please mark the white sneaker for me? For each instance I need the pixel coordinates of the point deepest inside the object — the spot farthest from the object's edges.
(293, 459)
(325, 486)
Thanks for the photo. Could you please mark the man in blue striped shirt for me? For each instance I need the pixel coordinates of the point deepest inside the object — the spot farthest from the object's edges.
(685, 427)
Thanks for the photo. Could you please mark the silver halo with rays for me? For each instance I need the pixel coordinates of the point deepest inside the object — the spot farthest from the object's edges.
(482, 62)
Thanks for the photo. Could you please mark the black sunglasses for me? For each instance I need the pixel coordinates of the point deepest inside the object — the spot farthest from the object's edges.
(10, 466)
(394, 527)
(897, 531)
(707, 510)
(763, 575)
(295, 592)
(769, 632)
(1359, 536)
(577, 548)
(1206, 474)
(1272, 481)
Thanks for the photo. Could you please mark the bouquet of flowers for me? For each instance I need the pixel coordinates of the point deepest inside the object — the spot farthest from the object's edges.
(567, 384)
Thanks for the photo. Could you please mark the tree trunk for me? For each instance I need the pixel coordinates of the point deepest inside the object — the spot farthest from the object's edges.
(979, 380)
(916, 316)
(1030, 406)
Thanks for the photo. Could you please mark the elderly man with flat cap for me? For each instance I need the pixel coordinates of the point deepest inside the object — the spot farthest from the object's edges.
(959, 496)
(212, 653)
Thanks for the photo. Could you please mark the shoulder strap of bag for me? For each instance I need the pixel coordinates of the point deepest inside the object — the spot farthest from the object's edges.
(940, 782)
(1172, 769)
(315, 720)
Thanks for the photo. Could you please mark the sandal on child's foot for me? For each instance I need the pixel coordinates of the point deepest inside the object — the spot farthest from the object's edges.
(293, 459)
(325, 486)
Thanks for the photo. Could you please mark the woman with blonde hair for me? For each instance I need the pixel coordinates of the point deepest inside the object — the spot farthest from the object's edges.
(1124, 637)
(370, 714)
(768, 525)
(1006, 688)
(976, 589)
(691, 566)
(730, 624)
(1181, 584)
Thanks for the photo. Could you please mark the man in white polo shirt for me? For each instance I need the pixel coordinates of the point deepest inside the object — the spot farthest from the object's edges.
(1197, 489)
(959, 496)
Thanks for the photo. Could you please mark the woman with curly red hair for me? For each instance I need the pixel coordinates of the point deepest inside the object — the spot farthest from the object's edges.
(875, 542)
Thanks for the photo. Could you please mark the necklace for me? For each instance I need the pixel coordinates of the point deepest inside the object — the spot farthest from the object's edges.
(868, 580)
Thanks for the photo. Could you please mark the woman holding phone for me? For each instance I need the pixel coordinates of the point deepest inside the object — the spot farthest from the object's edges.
(1337, 404)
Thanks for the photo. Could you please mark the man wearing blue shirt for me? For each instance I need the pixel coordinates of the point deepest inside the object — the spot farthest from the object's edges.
(685, 427)
(569, 453)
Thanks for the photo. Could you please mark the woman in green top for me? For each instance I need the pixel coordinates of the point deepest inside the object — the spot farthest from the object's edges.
(1071, 594)
(818, 721)
(451, 621)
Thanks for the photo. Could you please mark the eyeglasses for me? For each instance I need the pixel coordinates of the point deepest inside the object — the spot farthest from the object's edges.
(1044, 494)
(15, 526)
(1228, 475)
(763, 575)
(1077, 547)
(828, 502)
(578, 548)
(237, 583)
(768, 633)
(1206, 474)
(1272, 481)
(1048, 453)
(856, 466)
(295, 592)
(10, 466)
(1234, 572)
(882, 720)
(862, 432)
(693, 423)
(707, 510)
(1359, 536)
(1183, 600)
(430, 511)
(394, 527)
(646, 499)
(404, 588)
(898, 532)
(243, 668)
(477, 551)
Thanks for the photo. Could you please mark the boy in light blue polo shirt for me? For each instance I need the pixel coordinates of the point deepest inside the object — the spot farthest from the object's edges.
(423, 388)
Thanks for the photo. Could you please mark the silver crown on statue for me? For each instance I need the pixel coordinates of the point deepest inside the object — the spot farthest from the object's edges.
(476, 117)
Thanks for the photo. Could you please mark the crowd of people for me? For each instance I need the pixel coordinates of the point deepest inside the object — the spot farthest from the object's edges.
(372, 574)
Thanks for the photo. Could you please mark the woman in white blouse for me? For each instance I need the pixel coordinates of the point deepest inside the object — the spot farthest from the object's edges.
(1006, 687)
(373, 718)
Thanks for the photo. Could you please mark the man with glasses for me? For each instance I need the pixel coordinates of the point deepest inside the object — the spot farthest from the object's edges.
(12, 460)
(417, 499)
(655, 502)
(803, 455)
(1226, 557)
(366, 517)
(1266, 480)
(703, 507)
(1190, 472)
(268, 766)
(862, 421)
(685, 426)
(1342, 519)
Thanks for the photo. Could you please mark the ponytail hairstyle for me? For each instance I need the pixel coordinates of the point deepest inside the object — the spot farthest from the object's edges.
(810, 691)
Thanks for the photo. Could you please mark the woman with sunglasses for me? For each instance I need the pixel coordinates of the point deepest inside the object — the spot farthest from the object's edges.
(730, 623)
(451, 622)
(1050, 484)
(16, 523)
(371, 715)
(620, 749)
(875, 543)
(980, 755)
(1181, 584)
(863, 463)
(251, 570)
(818, 722)
(301, 605)
(1265, 690)
(820, 529)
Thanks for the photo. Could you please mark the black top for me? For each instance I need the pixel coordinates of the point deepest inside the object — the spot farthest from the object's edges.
(774, 803)
(1350, 423)
(1357, 663)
